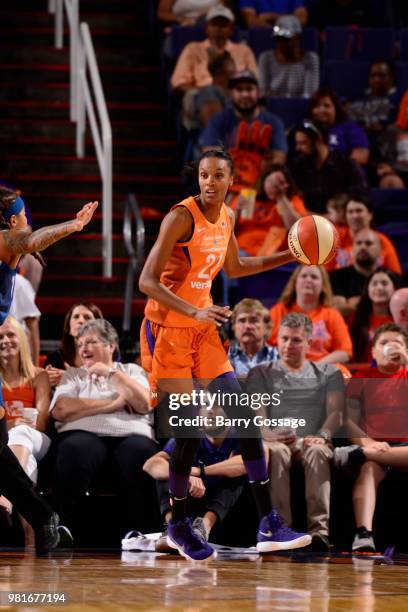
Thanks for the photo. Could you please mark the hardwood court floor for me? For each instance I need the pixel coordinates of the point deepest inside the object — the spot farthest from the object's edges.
(95, 582)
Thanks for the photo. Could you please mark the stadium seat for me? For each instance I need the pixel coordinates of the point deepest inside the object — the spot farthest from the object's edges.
(348, 78)
(397, 232)
(401, 75)
(390, 205)
(290, 110)
(404, 44)
(343, 43)
(261, 39)
(267, 286)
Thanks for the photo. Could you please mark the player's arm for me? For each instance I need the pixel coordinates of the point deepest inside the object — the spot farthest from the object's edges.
(16, 242)
(236, 266)
(176, 227)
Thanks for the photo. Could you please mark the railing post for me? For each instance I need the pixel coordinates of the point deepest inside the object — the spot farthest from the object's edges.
(59, 24)
(73, 54)
(51, 6)
(80, 115)
(107, 207)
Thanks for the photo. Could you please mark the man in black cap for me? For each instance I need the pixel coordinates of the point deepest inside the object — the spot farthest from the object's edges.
(222, 129)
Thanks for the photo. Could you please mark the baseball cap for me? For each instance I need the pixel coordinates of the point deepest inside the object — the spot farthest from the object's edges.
(242, 75)
(287, 26)
(220, 11)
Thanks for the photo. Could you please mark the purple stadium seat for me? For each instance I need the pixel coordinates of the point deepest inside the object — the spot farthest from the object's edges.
(390, 205)
(266, 287)
(261, 39)
(397, 232)
(343, 43)
(290, 110)
(348, 78)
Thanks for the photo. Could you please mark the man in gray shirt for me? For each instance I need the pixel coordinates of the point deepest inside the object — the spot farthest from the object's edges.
(312, 392)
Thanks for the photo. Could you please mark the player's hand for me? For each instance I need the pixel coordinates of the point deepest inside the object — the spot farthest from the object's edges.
(285, 435)
(215, 314)
(373, 445)
(311, 441)
(196, 487)
(85, 215)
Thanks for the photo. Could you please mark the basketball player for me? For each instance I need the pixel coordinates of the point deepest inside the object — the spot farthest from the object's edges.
(179, 340)
(16, 240)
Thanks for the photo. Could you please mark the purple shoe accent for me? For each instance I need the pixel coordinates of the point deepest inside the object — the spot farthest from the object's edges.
(182, 536)
(274, 535)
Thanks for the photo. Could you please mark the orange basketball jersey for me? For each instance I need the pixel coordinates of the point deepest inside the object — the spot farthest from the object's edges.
(192, 266)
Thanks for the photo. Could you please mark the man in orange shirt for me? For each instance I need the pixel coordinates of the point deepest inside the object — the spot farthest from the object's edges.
(180, 346)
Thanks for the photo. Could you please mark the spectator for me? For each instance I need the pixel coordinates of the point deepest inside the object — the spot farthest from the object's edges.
(215, 482)
(399, 307)
(392, 170)
(377, 423)
(319, 172)
(184, 12)
(191, 73)
(378, 107)
(287, 71)
(308, 291)
(211, 100)
(266, 12)
(58, 361)
(25, 388)
(102, 416)
(24, 310)
(229, 129)
(276, 208)
(251, 324)
(348, 283)
(359, 216)
(345, 136)
(373, 311)
(315, 393)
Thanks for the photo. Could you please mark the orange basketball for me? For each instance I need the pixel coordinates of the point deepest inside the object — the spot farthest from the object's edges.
(313, 240)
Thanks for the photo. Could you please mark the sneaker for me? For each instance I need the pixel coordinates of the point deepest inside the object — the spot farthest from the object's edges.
(199, 528)
(363, 541)
(320, 543)
(273, 535)
(161, 545)
(185, 539)
(349, 458)
(47, 536)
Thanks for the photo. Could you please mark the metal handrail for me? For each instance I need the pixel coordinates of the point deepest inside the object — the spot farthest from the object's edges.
(83, 89)
(135, 250)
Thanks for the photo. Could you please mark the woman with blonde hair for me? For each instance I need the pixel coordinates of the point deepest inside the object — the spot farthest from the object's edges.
(26, 396)
(308, 290)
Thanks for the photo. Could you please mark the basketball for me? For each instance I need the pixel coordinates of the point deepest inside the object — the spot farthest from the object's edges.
(313, 240)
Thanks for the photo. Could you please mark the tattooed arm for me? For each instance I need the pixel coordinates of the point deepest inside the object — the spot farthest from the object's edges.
(16, 242)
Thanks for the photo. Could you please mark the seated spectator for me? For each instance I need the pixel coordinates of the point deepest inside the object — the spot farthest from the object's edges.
(399, 307)
(215, 482)
(287, 71)
(58, 361)
(392, 169)
(359, 216)
(373, 310)
(24, 310)
(251, 324)
(336, 212)
(184, 12)
(378, 108)
(345, 135)
(191, 73)
(102, 417)
(241, 129)
(264, 230)
(213, 99)
(377, 423)
(348, 283)
(265, 12)
(26, 396)
(315, 393)
(308, 291)
(319, 172)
